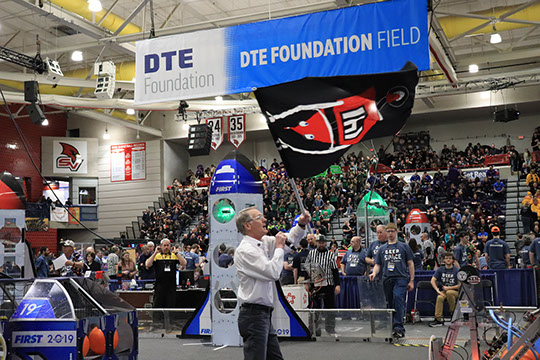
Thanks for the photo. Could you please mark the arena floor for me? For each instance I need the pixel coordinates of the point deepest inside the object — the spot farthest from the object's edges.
(413, 347)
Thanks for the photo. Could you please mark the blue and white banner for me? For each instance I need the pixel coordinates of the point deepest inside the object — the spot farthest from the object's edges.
(367, 39)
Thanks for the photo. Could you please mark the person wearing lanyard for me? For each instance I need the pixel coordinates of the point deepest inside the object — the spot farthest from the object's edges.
(164, 262)
(395, 260)
(259, 260)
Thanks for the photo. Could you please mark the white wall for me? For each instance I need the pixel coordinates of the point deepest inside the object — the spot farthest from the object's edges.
(175, 162)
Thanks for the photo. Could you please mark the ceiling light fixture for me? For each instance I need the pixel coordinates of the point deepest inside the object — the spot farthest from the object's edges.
(130, 111)
(495, 38)
(473, 68)
(77, 55)
(106, 136)
(45, 122)
(94, 5)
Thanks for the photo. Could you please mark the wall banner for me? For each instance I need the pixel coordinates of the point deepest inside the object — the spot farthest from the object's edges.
(367, 39)
(128, 162)
(216, 124)
(237, 130)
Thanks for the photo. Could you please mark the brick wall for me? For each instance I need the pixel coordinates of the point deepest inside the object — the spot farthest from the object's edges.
(13, 158)
(48, 238)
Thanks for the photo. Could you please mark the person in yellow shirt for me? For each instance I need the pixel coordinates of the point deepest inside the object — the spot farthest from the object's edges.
(532, 177)
(528, 199)
(536, 206)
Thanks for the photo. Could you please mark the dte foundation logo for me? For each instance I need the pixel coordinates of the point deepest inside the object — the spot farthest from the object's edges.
(70, 158)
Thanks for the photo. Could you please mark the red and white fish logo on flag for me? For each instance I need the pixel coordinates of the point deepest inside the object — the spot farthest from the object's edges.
(354, 116)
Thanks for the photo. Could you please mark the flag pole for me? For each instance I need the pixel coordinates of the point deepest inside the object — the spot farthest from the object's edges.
(300, 203)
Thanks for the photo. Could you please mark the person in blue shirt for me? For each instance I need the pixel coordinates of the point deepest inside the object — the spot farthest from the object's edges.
(42, 266)
(395, 261)
(446, 284)
(497, 251)
(354, 260)
(418, 255)
(374, 246)
(498, 187)
(464, 254)
(191, 257)
(524, 253)
(415, 177)
(534, 256)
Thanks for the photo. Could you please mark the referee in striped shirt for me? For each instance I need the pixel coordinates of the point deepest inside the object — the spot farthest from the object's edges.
(325, 287)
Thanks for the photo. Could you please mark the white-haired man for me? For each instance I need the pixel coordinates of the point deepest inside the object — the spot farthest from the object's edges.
(259, 260)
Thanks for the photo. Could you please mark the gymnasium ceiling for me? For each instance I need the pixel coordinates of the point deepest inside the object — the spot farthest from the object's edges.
(462, 28)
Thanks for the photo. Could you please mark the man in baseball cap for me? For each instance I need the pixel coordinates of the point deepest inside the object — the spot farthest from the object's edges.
(497, 251)
(74, 263)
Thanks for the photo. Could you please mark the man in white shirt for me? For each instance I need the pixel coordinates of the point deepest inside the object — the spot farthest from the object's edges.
(259, 260)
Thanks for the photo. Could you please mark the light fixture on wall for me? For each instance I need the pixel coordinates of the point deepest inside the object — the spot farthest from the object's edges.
(130, 111)
(106, 135)
(473, 68)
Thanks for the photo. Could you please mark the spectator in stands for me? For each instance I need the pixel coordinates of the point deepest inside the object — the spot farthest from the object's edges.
(74, 264)
(112, 262)
(497, 251)
(446, 284)
(91, 264)
(42, 265)
(354, 260)
(527, 217)
(499, 189)
(532, 177)
(395, 260)
(191, 257)
(347, 232)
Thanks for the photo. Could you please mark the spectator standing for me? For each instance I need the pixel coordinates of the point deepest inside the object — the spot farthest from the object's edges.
(497, 251)
(524, 253)
(42, 266)
(287, 276)
(74, 264)
(192, 258)
(374, 246)
(429, 251)
(144, 272)
(126, 267)
(526, 217)
(418, 256)
(91, 264)
(534, 257)
(112, 262)
(395, 260)
(463, 254)
(446, 284)
(354, 260)
(299, 269)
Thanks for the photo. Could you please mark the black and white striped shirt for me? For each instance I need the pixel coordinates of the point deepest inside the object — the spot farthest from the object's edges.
(325, 261)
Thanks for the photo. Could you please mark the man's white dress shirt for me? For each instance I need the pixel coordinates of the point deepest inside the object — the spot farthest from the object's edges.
(259, 265)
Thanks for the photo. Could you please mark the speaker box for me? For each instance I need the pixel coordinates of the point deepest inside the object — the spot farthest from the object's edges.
(35, 113)
(506, 115)
(31, 91)
(199, 140)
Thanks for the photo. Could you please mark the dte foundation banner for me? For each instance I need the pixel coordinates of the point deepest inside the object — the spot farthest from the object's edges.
(366, 39)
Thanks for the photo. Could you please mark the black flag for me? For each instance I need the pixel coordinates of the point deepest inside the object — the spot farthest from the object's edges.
(316, 120)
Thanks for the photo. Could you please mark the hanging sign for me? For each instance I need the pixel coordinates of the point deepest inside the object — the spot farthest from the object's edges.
(237, 130)
(368, 39)
(128, 162)
(216, 124)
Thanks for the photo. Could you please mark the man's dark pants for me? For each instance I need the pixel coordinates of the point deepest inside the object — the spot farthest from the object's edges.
(260, 339)
(164, 297)
(395, 290)
(324, 299)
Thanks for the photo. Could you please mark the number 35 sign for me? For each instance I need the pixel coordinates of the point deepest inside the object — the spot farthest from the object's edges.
(237, 129)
